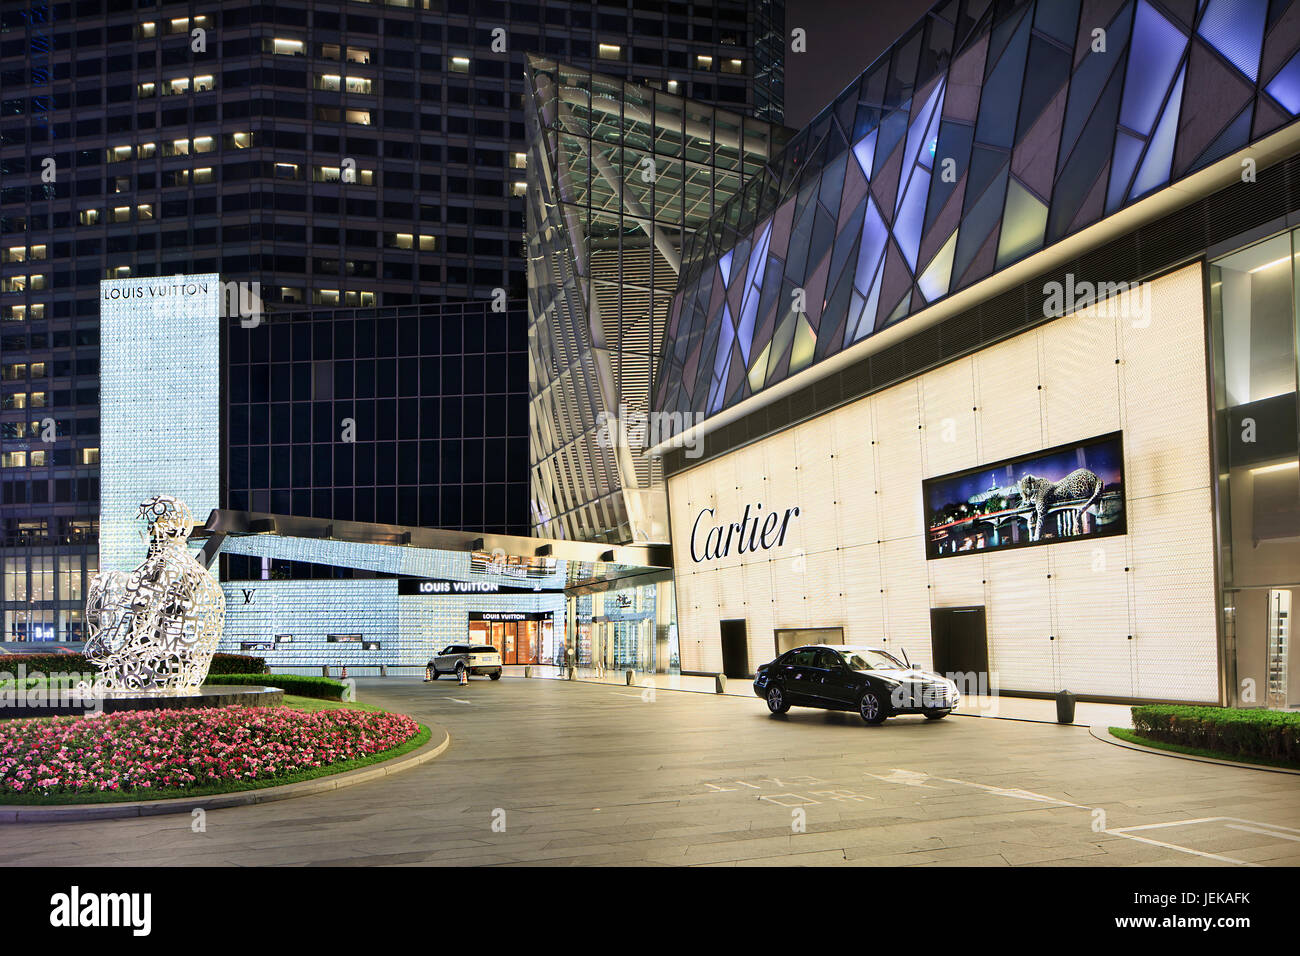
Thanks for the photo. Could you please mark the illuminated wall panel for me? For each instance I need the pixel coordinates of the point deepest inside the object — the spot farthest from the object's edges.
(160, 403)
(1128, 616)
(406, 629)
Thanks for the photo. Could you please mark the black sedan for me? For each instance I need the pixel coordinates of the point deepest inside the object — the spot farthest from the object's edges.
(866, 679)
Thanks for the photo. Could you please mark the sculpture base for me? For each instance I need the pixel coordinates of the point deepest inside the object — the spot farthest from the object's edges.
(42, 703)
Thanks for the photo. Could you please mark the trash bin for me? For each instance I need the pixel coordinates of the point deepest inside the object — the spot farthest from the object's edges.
(1065, 707)
(528, 670)
(631, 677)
(720, 683)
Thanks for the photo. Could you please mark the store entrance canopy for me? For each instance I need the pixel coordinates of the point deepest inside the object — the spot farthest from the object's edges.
(541, 563)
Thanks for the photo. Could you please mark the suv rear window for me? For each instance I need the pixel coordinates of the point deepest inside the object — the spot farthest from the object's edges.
(483, 649)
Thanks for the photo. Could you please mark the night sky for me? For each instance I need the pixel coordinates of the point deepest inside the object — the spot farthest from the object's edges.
(844, 37)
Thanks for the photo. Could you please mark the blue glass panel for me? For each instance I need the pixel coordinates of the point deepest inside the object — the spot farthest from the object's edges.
(847, 241)
(833, 185)
(725, 336)
(924, 129)
(1000, 97)
(1160, 151)
(724, 264)
(865, 151)
(753, 283)
(874, 236)
(1127, 150)
(911, 215)
(1285, 87)
(892, 128)
(979, 222)
(1059, 19)
(1088, 82)
(1153, 57)
(955, 144)
(1236, 29)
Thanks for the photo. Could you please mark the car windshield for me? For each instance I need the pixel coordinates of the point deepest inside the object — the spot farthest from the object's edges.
(869, 659)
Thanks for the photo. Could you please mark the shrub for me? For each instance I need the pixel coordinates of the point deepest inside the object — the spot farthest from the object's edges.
(77, 663)
(45, 663)
(237, 664)
(301, 684)
(1232, 732)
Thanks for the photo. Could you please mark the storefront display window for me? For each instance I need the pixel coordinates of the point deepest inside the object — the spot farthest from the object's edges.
(1253, 306)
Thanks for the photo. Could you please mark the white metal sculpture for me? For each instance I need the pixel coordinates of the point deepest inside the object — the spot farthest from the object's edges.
(155, 630)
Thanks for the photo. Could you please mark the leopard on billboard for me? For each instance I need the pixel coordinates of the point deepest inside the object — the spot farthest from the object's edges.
(1065, 493)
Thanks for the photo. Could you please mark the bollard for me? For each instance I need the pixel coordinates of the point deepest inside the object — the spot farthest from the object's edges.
(325, 670)
(383, 670)
(1065, 707)
(528, 670)
(631, 677)
(719, 683)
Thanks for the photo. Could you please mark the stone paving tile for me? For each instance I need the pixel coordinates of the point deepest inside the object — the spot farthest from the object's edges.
(588, 776)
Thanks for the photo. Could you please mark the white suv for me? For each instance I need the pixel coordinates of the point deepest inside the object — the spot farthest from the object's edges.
(473, 659)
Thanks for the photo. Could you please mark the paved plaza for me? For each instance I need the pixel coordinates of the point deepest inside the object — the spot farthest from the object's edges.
(557, 773)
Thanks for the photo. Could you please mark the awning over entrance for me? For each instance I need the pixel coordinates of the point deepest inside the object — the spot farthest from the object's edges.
(538, 563)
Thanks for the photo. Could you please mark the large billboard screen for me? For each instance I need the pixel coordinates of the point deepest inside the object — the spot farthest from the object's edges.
(1066, 493)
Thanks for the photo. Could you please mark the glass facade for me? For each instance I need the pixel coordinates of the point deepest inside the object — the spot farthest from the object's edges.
(987, 132)
(619, 176)
(629, 628)
(415, 415)
(1253, 307)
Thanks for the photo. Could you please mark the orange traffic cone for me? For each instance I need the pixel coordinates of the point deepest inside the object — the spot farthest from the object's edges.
(464, 676)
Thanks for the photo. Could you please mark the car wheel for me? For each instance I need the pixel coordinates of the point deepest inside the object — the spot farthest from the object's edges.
(872, 708)
(937, 714)
(460, 671)
(776, 702)
(496, 676)
(433, 673)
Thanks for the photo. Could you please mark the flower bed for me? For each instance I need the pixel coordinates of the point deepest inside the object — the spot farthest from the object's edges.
(174, 752)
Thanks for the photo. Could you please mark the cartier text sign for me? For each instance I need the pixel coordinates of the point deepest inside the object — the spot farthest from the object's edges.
(757, 530)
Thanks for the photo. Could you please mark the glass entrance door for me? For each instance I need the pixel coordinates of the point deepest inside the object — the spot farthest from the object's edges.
(1279, 633)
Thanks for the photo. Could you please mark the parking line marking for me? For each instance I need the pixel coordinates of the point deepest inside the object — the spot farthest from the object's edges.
(1261, 830)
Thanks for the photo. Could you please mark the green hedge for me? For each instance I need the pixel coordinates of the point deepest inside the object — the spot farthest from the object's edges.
(237, 664)
(301, 684)
(1271, 734)
(45, 663)
(65, 663)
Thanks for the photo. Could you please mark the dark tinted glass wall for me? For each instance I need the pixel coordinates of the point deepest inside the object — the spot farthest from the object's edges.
(413, 416)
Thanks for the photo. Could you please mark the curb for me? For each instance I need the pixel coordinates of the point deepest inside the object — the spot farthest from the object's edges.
(220, 801)
(1103, 734)
(715, 694)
